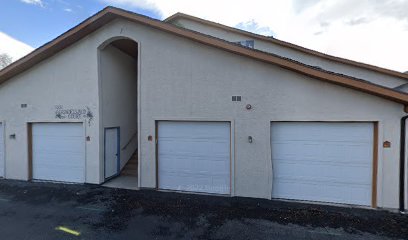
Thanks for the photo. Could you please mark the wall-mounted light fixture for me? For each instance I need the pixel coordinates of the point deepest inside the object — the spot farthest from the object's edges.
(12, 136)
(248, 106)
(250, 139)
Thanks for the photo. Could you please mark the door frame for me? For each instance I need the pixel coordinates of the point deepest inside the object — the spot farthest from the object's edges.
(232, 151)
(118, 153)
(3, 127)
(374, 202)
(29, 127)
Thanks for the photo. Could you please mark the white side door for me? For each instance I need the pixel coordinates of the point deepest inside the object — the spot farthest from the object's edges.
(322, 161)
(111, 152)
(194, 156)
(58, 152)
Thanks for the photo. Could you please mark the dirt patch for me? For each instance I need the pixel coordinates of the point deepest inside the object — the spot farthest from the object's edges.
(203, 212)
(189, 209)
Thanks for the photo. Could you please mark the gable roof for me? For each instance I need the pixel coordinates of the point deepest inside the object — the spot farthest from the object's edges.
(110, 13)
(289, 45)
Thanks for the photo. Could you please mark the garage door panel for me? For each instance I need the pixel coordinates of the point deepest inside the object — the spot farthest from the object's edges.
(58, 152)
(194, 156)
(57, 170)
(319, 180)
(56, 173)
(178, 179)
(71, 160)
(196, 183)
(318, 161)
(55, 129)
(187, 171)
(346, 153)
(359, 174)
(199, 147)
(173, 153)
(325, 193)
(191, 130)
(59, 146)
(195, 164)
(356, 132)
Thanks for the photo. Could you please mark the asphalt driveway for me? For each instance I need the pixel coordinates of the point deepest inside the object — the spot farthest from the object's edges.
(59, 211)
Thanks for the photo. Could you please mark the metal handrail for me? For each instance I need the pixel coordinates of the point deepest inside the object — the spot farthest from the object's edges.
(130, 140)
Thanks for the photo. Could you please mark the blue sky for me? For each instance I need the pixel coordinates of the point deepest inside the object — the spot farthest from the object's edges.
(373, 32)
(36, 24)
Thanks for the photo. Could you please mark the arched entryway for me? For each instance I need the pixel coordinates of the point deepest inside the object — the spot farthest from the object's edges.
(118, 80)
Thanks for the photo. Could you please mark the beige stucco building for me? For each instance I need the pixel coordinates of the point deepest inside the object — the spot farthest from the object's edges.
(202, 114)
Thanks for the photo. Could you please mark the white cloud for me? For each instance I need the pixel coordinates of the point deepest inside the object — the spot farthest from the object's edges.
(374, 32)
(253, 26)
(34, 2)
(68, 9)
(144, 4)
(13, 47)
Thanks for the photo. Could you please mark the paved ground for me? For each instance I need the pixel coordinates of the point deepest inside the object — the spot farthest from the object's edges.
(41, 210)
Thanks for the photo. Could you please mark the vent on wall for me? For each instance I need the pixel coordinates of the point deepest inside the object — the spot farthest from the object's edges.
(236, 98)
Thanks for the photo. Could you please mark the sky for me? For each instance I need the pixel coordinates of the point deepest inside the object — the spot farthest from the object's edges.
(369, 31)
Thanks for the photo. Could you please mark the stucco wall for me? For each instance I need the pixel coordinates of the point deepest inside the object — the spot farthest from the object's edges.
(406, 169)
(118, 79)
(67, 80)
(375, 77)
(184, 80)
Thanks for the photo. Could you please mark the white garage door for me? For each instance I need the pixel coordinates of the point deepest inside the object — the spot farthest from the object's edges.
(194, 156)
(2, 163)
(327, 162)
(58, 152)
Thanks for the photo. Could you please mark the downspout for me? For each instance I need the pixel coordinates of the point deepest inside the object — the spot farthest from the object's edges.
(402, 165)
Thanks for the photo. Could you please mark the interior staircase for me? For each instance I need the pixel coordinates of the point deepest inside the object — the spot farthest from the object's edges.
(130, 168)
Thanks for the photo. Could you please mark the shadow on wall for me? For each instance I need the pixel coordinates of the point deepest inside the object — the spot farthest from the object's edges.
(118, 79)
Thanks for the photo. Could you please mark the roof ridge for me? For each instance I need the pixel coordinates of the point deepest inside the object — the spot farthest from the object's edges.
(286, 58)
(294, 46)
(110, 13)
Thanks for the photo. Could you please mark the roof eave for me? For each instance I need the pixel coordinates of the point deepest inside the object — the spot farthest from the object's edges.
(110, 13)
(291, 45)
(56, 45)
